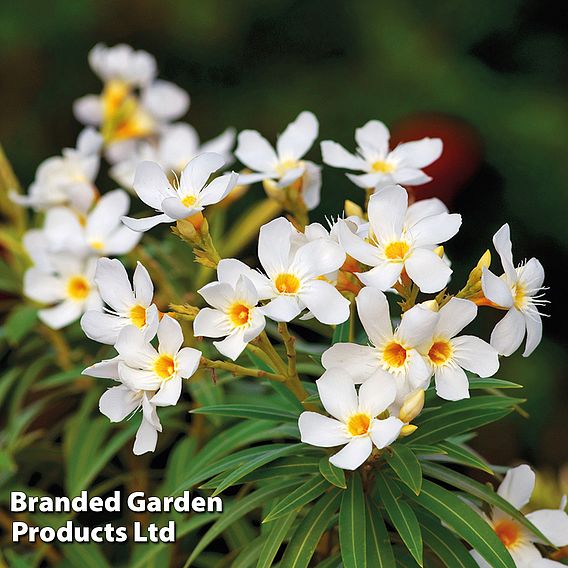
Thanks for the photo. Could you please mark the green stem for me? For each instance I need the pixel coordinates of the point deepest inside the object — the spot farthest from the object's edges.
(239, 370)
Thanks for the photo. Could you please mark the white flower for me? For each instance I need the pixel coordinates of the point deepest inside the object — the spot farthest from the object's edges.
(177, 146)
(517, 291)
(283, 165)
(101, 233)
(402, 165)
(235, 314)
(141, 367)
(66, 179)
(401, 238)
(517, 488)
(296, 275)
(69, 284)
(191, 196)
(449, 355)
(354, 423)
(393, 352)
(125, 306)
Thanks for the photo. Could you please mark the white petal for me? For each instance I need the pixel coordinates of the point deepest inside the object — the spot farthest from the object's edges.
(89, 109)
(335, 155)
(356, 247)
(178, 145)
(218, 189)
(435, 229)
(337, 393)
(531, 276)
(361, 360)
(369, 181)
(138, 379)
(418, 154)
(102, 327)
(198, 171)
(317, 258)
(427, 270)
(146, 223)
(283, 308)
(169, 392)
(290, 176)
(417, 326)
(382, 276)
(233, 345)
(409, 176)
(170, 336)
(143, 285)
(174, 208)
(552, 523)
(152, 185)
(245, 291)
(61, 315)
(118, 402)
(43, 287)
(298, 137)
(353, 454)
(188, 361)
(257, 323)
(373, 310)
(255, 152)
(105, 217)
(146, 438)
(454, 316)
(424, 208)
(113, 284)
(377, 394)
(211, 323)
(518, 485)
(533, 322)
(165, 100)
(319, 430)
(451, 382)
(385, 432)
(220, 295)
(122, 241)
(325, 302)
(508, 333)
(418, 372)
(373, 138)
(475, 355)
(134, 348)
(229, 270)
(274, 245)
(106, 369)
(496, 289)
(387, 210)
(502, 244)
(221, 144)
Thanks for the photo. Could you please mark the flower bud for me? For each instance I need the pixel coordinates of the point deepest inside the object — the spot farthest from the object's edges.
(439, 251)
(407, 430)
(412, 406)
(352, 209)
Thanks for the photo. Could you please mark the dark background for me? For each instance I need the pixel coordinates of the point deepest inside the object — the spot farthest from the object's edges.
(489, 77)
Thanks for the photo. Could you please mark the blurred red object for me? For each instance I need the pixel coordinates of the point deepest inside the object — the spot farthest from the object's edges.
(459, 160)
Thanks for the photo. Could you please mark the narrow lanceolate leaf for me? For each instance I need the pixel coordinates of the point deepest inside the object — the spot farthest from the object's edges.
(254, 463)
(444, 544)
(466, 522)
(457, 453)
(401, 515)
(341, 333)
(304, 494)
(303, 543)
(406, 465)
(492, 383)
(379, 549)
(352, 525)
(335, 475)
(236, 510)
(480, 491)
(278, 530)
(249, 411)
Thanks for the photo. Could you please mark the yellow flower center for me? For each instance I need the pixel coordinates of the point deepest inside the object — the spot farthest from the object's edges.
(78, 288)
(396, 250)
(189, 200)
(138, 315)
(520, 298)
(239, 314)
(358, 424)
(508, 532)
(287, 283)
(382, 166)
(283, 167)
(440, 352)
(394, 354)
(97, 244)
(164, 366)
(114, 94)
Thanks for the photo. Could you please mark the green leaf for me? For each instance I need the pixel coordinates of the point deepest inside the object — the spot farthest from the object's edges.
(85, 554)
(236, 510)
(401, 515)
(379, 549)
(466, 522)
(352, 525)
(331, 562)
(335, 475)
(406, 465)
(444, 544)
(278, 529)
(480, 491)
(341, 332)
(303, 543)
(263, 458)
(304, 494)
(288, 467)
(249, 411)
(21, 321)
(492, 383)
(457, 453)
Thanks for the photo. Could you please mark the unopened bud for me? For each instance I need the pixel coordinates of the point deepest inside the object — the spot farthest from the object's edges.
(412, 406)
(407, 430)
(485, 259)
(352, 209)
(439, 251)
(431, 305)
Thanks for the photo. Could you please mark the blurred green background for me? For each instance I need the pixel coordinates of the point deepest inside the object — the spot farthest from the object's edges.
(490, 77)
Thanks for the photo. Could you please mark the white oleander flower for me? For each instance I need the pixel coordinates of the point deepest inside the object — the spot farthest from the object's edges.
(519, 291)
(284, 166)
(449, 355)
(235, 314)
(517, 488)
(68, 284)
(354, 424)
(403, 165)
(400, 238)
(190, 197)
(142, 367)
(296, 275)
(177, 145)
(126, 306)
(101, 232)
(67, 179)
(391, 352)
